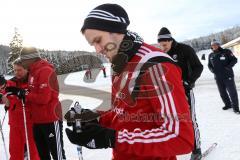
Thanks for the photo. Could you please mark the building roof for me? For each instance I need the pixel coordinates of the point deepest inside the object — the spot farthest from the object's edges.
(232, 43)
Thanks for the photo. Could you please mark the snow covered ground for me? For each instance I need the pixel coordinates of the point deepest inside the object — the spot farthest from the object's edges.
(215, 124)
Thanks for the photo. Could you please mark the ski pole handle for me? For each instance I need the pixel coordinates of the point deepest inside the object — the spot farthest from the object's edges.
(78, 126)
(78, 109)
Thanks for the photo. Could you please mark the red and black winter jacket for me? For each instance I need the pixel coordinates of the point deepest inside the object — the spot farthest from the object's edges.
(15, 111)
(150, 112)
(43, 93)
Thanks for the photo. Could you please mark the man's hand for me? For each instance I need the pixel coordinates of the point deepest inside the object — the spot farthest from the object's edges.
(85, 116)
(93, 136)
(20, 93)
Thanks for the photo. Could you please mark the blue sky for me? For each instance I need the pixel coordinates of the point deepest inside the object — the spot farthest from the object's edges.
(55, 24)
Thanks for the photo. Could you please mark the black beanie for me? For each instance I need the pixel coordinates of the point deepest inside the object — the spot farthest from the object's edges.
(2, 80)
(107, 17)
(164, 35)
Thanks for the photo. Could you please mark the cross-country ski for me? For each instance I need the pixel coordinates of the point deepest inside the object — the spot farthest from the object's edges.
(208, 151)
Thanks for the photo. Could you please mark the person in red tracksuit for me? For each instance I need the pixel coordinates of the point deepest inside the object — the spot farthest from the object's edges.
(17, 139)
(149, 117)
(42, 98)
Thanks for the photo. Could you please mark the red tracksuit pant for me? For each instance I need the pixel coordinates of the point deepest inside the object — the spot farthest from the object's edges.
(17, 142)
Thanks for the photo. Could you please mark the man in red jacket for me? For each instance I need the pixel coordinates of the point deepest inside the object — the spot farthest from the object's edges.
(150, 118)
(42, 97)
(17, 139)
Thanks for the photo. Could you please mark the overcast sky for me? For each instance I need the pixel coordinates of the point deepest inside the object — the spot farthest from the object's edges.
(55, 24)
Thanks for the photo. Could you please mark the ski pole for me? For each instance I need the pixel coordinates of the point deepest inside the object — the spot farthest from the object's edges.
(25, 127)
(78, 109)
(3, 139)
(4, 118)
(79, 149)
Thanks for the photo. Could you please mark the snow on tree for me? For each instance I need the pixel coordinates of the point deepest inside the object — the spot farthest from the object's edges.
(15, 47)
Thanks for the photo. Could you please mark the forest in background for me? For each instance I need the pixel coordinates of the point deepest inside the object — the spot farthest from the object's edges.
(72, 61)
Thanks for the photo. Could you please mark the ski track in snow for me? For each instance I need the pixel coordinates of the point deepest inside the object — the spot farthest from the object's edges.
(215, 124)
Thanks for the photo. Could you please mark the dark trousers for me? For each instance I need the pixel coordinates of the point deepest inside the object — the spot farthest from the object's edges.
(228, 92)
(191, 101)
(49, 140)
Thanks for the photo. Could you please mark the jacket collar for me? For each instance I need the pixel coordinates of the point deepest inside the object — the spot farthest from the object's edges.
(219, 50)
(174, 46)
(128, 48)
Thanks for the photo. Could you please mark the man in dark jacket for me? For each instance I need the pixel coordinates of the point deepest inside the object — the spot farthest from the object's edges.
(42, 99)
(220, 63)
(192, 68)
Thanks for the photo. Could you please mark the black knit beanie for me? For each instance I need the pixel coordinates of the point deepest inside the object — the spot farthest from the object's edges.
(107, 17)
(164, 35)
(2, 80)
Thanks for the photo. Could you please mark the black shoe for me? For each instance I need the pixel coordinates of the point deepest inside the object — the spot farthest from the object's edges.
(196, 155)
(226, 107)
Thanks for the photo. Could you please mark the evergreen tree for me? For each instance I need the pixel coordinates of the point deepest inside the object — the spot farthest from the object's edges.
(15, 47)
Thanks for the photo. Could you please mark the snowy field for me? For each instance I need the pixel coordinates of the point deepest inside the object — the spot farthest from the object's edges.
(215, 124)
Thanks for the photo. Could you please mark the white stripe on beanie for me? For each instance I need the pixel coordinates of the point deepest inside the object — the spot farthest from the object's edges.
(214, 41)
(30, 56)
(101, 14)
(164, 36)
(102, 11)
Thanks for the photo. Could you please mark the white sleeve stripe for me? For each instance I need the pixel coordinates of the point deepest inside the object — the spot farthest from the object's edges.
(142, 51)
(163, 93)
(131, 137)
(137, 69)
(145, 48)
(139, 54)
(152, 140)
(174, 112)
(139, 132)
(159, 133)
(160, 97)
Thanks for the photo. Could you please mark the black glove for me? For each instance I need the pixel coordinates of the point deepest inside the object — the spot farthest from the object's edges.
(86, 116)
(20, 93)
(72, 122)
(93, 136)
